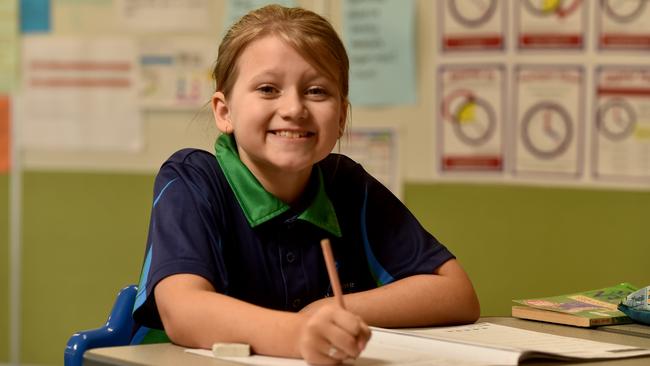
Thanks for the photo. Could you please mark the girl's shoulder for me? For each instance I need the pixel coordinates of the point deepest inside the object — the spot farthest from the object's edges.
(341, 170)
(193, 157)
(193, 167)
(337, 163)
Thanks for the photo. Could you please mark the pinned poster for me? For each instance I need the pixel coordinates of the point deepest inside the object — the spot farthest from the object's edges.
(550, 24)
(5, 140)
(470, 125)
(377, 150)
(35, 16)
(163, 15)
(80, 94)
(472, 25)
(176, 72)
(379, 37)
(238, 8)
(623, 25)
(622, 125)
(549, 120)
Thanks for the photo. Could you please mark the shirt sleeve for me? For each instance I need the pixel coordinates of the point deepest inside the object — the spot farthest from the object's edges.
(183, 236)
(399, 243)
(396, 245)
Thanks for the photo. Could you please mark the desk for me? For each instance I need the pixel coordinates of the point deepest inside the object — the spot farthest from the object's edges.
(166, 354)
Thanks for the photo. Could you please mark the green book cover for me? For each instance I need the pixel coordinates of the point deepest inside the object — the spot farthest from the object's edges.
(593, 304)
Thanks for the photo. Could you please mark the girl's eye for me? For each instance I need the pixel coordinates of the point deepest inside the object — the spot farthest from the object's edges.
(266, 89)
(317, 91)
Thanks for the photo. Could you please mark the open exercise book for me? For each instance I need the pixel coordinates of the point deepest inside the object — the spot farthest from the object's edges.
(474, 344)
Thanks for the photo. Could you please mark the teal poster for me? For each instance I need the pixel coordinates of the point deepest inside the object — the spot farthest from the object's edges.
(379, 37)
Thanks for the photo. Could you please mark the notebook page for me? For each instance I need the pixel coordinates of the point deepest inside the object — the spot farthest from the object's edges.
(388, 348)
(494, 335)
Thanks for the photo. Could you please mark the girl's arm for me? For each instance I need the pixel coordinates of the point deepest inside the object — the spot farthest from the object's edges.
(444, 297)
(194, 315)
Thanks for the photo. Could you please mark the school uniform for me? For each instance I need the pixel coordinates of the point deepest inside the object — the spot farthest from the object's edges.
(212, 218)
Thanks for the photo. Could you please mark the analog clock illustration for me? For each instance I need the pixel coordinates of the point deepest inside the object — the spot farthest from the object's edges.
(472, 13)
(546, 130)
(551, 7)
(616, 119)
(623, 11)
(474, 121)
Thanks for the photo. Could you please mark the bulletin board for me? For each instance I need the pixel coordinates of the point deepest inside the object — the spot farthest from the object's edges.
(513, 92)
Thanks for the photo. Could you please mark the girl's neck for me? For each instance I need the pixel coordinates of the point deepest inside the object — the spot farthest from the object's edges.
(288, 187)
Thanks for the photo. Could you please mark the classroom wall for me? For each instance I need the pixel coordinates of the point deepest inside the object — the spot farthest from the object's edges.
(85, 234)
(521, 242)
(84, 228)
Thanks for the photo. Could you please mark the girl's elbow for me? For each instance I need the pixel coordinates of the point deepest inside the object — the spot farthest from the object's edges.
(178, 331)
(472, 309)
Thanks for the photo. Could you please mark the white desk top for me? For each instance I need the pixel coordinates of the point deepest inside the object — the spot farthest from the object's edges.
(167, 354)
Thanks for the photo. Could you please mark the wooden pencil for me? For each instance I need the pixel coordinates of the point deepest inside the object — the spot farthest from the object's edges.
(331, 271)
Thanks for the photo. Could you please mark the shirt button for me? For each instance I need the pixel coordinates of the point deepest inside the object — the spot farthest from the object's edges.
(291, 257)
(296, 303)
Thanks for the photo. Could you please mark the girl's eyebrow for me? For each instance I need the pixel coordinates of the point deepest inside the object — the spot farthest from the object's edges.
(272, 73)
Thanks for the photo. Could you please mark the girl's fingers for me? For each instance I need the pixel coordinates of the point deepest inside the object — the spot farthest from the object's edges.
(332, 335)
(343, 342)
(353, 325)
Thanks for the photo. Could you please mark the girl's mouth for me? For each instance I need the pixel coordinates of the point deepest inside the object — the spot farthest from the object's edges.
(293, 134)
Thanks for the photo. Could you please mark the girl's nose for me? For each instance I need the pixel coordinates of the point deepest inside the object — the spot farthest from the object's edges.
(292, 107)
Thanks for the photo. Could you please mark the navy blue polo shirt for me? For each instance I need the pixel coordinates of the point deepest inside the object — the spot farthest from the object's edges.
(212, 218)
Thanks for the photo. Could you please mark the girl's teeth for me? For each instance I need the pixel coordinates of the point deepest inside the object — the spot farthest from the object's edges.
(291, 134)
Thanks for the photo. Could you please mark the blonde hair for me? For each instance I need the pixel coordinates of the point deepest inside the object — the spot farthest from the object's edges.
(311, 35)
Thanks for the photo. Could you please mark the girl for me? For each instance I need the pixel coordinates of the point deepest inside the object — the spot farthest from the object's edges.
(233, 253)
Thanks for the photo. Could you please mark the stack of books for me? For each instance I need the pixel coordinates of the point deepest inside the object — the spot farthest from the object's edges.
(583, 309)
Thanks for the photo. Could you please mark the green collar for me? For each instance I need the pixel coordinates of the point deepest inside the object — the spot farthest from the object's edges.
(259, 205)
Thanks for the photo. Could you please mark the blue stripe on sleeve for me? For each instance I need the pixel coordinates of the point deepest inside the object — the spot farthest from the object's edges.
(140, 297)
(155, 202)
(378, 272)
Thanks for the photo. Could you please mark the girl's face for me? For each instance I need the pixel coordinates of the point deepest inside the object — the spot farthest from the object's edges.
(286, 116)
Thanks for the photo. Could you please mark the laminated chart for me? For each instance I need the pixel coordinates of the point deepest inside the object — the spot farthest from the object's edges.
(470, 126)
(622, 125)
(550, 24)
(623, 25)
(377, 150)
(85, 90)
(548, 110)
(472, 25)
(176, 72)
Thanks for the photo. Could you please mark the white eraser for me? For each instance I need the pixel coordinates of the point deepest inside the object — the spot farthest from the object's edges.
(231, 350)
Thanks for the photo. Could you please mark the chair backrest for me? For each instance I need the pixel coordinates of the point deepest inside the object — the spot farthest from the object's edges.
(118, 330)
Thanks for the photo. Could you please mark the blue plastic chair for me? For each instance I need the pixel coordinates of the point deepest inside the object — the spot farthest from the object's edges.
(120, 330)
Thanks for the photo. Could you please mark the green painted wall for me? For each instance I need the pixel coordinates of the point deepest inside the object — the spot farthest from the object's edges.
(519, 242)
(83, 240)
(4, 268)
(84, 237)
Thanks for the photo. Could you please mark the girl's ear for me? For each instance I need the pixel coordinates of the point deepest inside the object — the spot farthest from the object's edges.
(221, 113)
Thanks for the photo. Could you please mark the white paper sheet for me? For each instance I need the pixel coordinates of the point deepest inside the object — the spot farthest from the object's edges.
(177, 72)
(164, 15)
(80, 94)
(474, 344)
(494, 335)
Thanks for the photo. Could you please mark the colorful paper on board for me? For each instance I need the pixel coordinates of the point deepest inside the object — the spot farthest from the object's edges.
(379, 37)
(35, 16)
(4, 134)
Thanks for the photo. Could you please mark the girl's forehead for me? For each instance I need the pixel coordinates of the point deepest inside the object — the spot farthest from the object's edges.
(273, 51)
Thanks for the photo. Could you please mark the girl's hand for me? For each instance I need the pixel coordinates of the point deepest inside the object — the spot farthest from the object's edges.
(331, 334)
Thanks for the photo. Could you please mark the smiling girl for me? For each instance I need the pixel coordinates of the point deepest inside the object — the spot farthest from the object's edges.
(233, 253)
